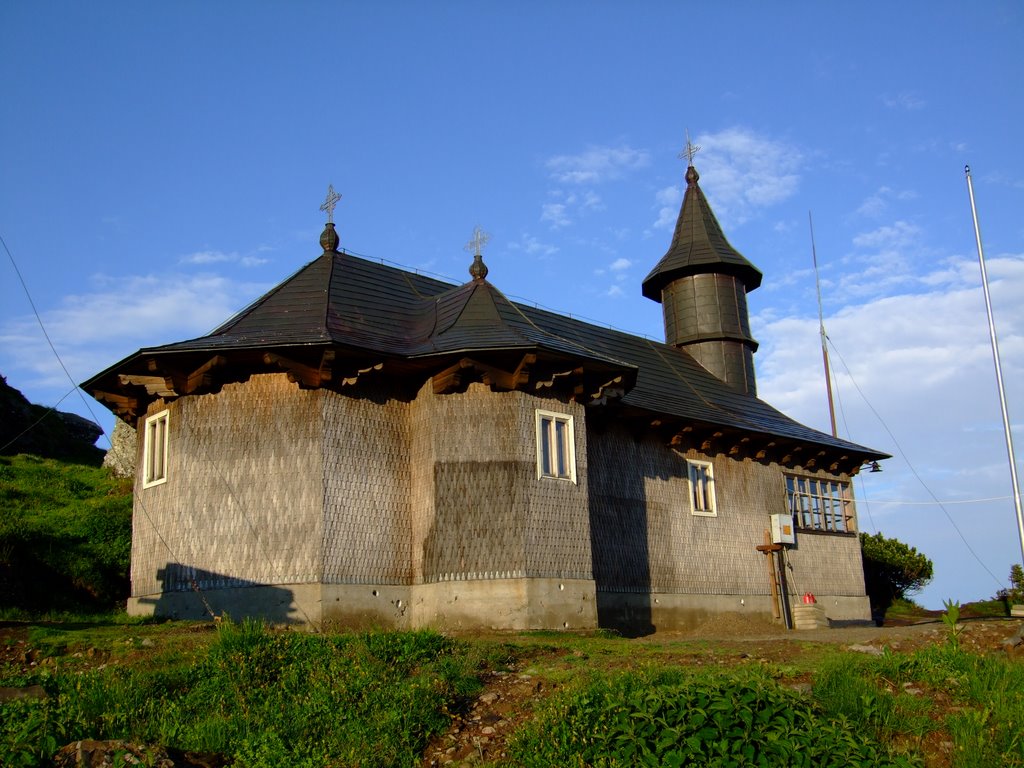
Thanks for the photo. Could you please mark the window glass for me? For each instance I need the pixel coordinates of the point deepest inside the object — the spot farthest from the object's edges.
(556, 453)
(154, 450)
(702, 487)
(819, 504)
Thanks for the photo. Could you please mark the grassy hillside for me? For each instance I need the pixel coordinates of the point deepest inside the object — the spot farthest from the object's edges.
(65, 537)
(249, 696)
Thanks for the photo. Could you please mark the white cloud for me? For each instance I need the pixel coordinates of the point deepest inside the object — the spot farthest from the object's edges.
(900, 234)
(620, 264)
(596, 165)
(531, 245)
(875, 205)
(92, 330)
(750, 172)
(907, 100)
(555, 215)
(219, 257)
(922, 360)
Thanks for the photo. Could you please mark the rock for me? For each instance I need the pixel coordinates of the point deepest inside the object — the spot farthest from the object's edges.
(490, 697)
(865, 649)
(26, 692)
(90, 753)
(80, 428)
(120, 459)
(46, 432)
(1015, 639)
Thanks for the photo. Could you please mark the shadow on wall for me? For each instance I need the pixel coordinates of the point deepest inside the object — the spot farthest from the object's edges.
(194, 593)
(616, 468)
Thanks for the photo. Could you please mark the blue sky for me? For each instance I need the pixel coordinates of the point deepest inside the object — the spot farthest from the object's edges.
(161, 166)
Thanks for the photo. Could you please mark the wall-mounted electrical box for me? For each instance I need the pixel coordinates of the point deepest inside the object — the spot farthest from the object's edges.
(782, 529)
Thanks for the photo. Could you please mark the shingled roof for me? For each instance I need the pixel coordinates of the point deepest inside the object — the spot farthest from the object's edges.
(698, 246)
(351, 314)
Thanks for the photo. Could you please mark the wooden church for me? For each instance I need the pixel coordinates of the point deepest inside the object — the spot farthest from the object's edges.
(364, 445)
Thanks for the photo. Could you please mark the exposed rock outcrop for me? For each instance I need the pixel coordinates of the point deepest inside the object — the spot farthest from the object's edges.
(28, 428)
(120, 459)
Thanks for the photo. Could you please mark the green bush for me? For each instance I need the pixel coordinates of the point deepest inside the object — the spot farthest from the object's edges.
(670, 719)
(892, 570)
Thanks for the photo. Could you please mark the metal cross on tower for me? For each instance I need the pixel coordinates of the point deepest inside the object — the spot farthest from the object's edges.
(691, 150)
(328, 204)
(476, 245)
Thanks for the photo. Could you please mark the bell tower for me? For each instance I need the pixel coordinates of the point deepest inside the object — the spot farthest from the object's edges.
(702, 284)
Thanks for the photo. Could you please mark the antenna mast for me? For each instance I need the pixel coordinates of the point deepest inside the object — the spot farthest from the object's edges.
(995, 359)
(824, 338)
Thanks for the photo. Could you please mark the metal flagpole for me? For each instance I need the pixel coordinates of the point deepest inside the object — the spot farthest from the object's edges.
(824, 338)
(995, 357)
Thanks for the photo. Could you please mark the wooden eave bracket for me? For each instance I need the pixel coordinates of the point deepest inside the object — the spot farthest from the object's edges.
(124, 406)
(159, 386)
(353, 378)
(306, 376)
(455, 378)
(202, 379)
(613, 389)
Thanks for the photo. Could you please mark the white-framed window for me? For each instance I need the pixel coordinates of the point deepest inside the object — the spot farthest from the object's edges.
(154, 450)
(820, 504)
(556, 446)
(702, 488)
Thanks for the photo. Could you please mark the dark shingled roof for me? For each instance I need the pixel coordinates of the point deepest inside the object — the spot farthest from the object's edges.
(373, 310)
(698, 246)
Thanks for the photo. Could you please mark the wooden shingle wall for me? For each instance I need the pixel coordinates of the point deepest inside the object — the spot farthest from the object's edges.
(367, 486)
(479, 510)
(646, 538)
(244, 492)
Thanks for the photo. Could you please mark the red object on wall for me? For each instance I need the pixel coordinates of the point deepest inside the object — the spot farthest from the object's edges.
(809, 598)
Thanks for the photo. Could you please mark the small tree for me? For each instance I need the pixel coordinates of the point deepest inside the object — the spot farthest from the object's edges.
(892, 570)
(1015, 594)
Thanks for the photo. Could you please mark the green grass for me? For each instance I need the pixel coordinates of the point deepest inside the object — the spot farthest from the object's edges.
(65, 537)
(261, 697)
(265, 697)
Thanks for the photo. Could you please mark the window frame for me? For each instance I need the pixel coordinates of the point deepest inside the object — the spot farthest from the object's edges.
(818, 504)
(154, 449)
(708, 506)
(555, 446)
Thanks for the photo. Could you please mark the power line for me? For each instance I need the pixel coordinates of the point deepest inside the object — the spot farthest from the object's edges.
(913, 470)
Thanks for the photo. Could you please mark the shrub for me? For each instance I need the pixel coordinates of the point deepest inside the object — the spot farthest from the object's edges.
(892, 570)
(667, 719)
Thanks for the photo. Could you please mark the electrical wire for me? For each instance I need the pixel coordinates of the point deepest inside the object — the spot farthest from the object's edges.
(75, 388)
(913, 470)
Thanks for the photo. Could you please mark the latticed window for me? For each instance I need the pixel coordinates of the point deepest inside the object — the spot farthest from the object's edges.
(702, 487)
(819, 504)
(556, 451)
(154, 450)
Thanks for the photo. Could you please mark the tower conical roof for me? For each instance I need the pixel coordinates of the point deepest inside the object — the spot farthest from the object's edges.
(698, 247)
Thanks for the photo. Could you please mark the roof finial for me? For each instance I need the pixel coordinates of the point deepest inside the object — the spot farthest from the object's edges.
(328, 204)
(329, 238)
(691, 149)
(478, 270)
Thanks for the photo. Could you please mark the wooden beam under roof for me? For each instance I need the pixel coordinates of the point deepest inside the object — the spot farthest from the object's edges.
(161, 386)
(125, 406)
(298, 373)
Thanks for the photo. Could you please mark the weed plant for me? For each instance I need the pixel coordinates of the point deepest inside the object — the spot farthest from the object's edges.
(260, 697)
(986, 691)
(675, 718)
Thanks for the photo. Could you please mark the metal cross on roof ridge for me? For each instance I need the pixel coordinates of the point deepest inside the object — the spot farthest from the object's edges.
(328, 204)
(691, 150)
(480, 239)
